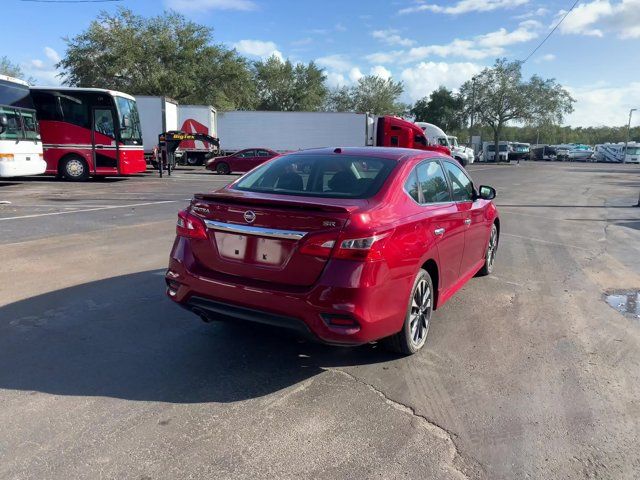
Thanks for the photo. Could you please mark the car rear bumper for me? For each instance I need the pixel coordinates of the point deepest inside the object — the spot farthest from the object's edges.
(350, 304)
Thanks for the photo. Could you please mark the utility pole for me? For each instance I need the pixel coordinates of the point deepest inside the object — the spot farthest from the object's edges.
(473, 107)
(624, 154)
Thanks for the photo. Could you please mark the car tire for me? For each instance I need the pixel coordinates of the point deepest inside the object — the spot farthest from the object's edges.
(193, 161)
(490, 254)
(75, 169)
(415, 328)
(223, 168)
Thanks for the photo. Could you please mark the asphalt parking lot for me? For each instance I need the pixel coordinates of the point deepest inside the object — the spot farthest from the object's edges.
(527, 373)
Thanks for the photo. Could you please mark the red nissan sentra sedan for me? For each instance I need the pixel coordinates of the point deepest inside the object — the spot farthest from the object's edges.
(347, 245)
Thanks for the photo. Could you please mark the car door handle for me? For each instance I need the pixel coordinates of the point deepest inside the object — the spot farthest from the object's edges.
(439, 231)
(467, 221)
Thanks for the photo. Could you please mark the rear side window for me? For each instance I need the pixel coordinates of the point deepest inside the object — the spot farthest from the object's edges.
(433, 183)
(412, 187)
(460, 183)
(330, 176)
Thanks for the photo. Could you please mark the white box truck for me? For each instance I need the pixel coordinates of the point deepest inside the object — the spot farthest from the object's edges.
(196, 119)
(157, 115)
(287, 131)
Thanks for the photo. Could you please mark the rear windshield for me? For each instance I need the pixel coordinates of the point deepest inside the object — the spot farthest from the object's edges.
(330, 176)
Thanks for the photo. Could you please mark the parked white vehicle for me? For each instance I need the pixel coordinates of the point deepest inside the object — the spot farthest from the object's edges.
(574, 152)
(489, 149)
(196, 119)
(20, 143)
(157, 115)
(615, 152)
(463, 154)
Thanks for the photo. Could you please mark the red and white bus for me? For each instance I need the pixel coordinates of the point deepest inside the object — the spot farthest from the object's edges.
(89, 132)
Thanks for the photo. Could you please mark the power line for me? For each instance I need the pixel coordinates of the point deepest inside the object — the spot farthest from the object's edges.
(551, 32)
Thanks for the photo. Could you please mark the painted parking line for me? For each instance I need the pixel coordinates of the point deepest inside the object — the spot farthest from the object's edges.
(36, 215)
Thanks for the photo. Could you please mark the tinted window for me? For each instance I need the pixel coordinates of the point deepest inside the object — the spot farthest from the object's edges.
(104, 122)
(319, 176)
(15, 95)
(247, 154)
(264, 153)
(75, 110)
(13, 130)
(460, 184)
(46, 106)
(412, 187)
(433, 183)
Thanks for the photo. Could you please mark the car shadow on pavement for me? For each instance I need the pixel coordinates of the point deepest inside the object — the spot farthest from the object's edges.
(121, 337)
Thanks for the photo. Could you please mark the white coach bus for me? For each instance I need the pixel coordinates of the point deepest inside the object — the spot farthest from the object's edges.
(20, 143)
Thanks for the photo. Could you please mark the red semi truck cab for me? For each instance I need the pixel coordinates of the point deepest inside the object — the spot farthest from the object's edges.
(397, 132)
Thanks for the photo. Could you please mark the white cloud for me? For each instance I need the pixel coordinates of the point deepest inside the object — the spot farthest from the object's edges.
(258, 48)
(465, 6)
(384, 57)
(539, 12)
(43, 72)
(380, 71)
(423, 78)
(339, 63)
(340, 27)
(205, 5)
(355, 74)
(335, 79)
(604, 105)
(549, 57)
(51, 54)
(391, 37)
(600, 16)
(482, 46)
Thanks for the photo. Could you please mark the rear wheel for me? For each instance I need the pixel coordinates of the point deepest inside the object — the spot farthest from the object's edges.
(75, 169)
(223, 168)
(414, 331)
(490, 255)
(193, 160)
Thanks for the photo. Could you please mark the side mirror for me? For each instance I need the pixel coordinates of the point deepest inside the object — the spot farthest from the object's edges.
(4, 121)
(486, 192)
(126, 122)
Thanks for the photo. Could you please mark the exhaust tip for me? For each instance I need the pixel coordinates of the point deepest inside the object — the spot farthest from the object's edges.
(202, 314)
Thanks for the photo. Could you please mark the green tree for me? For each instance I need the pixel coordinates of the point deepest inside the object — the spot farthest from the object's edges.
(499, 95)
(9, 68)
(163, 55)
(441, 108)
(284, 86)
(371, 94)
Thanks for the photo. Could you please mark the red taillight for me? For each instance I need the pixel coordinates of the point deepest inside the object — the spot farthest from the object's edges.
(190, 226)
(319, 245)
(365, 249)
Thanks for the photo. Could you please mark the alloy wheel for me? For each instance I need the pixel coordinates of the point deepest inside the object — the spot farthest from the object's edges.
(493, 245)
(421, 308)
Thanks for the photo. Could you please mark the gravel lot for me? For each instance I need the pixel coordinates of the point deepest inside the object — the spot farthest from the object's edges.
(526, 374)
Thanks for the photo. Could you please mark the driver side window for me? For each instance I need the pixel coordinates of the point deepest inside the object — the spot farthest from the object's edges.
(460, 184)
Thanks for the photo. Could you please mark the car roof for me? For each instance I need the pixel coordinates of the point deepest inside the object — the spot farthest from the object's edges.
(392, 153)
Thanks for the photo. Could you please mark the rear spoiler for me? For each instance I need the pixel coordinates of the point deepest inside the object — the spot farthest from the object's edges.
(275, 201)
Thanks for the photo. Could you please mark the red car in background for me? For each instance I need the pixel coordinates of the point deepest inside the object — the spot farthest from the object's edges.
(241, 161)
(347, 245)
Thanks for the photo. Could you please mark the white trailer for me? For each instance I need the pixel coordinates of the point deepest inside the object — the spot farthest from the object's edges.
(157, 115)
(196, 119)
(287, 131)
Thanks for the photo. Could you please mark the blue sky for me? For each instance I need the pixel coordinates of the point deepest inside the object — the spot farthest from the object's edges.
(594, 53)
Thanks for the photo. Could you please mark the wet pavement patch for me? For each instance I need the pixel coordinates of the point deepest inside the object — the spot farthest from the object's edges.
(626, 302)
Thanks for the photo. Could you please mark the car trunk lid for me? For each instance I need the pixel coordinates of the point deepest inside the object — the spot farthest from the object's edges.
(259, 236)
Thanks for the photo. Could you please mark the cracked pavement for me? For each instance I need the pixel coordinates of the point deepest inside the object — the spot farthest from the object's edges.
(526, 373)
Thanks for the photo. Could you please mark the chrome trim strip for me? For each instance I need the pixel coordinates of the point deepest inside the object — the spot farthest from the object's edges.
(259, 231)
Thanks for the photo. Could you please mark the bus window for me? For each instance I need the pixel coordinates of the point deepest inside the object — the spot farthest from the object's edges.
(74, 111)
(13, 131)
(104, 122)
